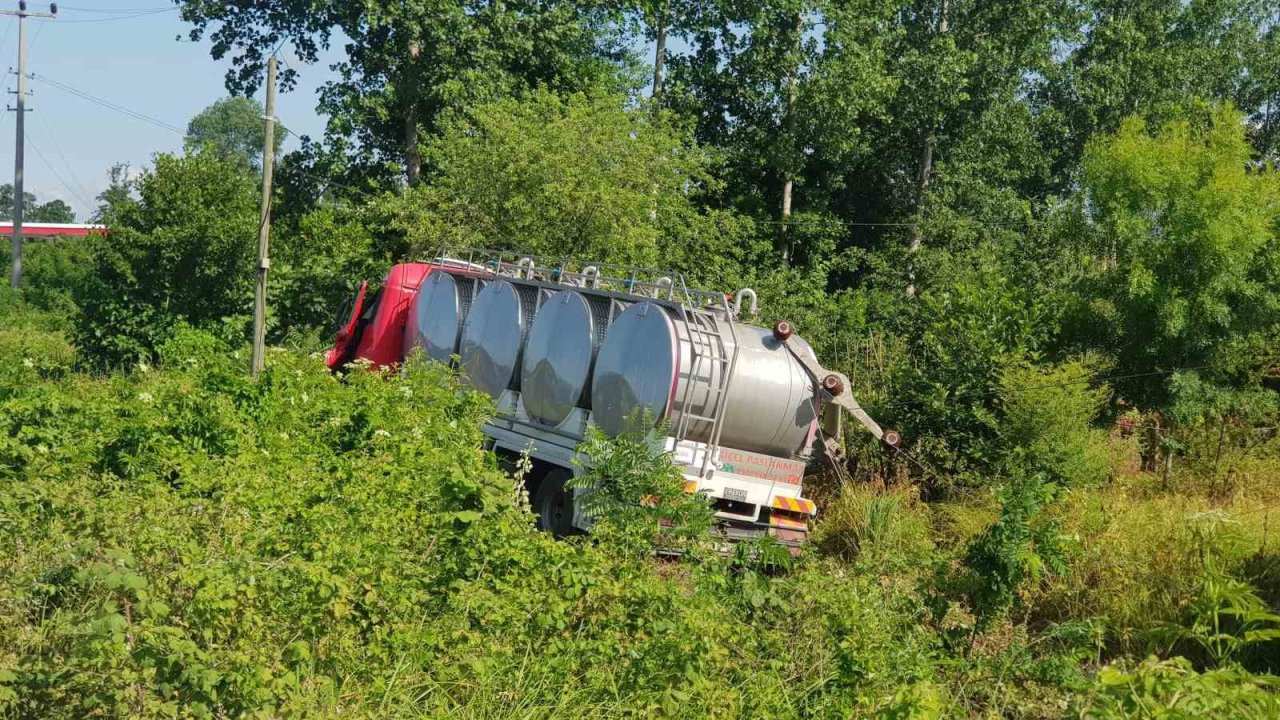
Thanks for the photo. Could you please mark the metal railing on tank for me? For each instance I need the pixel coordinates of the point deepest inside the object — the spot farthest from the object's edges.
(630, 280)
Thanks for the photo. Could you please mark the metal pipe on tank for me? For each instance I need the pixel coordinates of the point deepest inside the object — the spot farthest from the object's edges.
(525, 262)
(591, 274)
(737, 301)
(664, 283)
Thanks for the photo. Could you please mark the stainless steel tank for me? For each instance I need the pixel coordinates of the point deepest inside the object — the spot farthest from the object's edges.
(646, 369)
(559, 354)
(493, 335)
(435, 319)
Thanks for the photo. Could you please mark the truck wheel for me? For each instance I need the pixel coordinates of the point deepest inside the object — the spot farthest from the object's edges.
(553, 503)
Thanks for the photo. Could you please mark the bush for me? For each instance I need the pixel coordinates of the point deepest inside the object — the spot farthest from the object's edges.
(183, 252)
(1047, 425)
(316, 266)
(1173, 689)
(962, 340)
(51, 272)
(888, 530)
(178, 540)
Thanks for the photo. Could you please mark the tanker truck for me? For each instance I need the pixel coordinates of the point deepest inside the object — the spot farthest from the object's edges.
(561, 346)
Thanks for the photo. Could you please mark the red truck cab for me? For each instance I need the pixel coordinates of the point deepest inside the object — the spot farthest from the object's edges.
(374, 328)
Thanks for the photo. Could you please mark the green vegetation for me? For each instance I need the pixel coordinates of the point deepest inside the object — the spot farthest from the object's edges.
(1042, 239)
(182, 541)
(232, 128)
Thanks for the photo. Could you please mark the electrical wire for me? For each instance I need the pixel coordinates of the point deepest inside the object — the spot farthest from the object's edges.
(119, 18)
(57, 147)
(62, 181)
(5, 41)
(109, 105)
(981, 395)
(31, 48)
(118, 11)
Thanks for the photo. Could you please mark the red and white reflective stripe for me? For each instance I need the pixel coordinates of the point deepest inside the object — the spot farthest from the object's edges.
(796, 505)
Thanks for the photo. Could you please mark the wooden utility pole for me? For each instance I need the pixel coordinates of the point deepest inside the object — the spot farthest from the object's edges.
(264, 227)
(19, 194)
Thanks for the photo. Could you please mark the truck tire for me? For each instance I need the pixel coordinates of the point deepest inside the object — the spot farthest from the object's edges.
(553, 503)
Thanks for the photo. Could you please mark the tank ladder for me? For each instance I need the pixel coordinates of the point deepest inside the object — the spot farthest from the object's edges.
(711, 355)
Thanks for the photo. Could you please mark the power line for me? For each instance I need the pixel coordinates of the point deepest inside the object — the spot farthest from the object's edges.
(833, 221)
(57, 147)
(116, 11)
(119, 18)
(62, 181)
(8, 30)
(981, 395)
(39, 31)
(110, 105)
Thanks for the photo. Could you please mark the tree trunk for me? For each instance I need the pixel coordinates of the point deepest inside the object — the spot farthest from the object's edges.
(660, 52)
(915, 239)
(412, 153)
(788, 180)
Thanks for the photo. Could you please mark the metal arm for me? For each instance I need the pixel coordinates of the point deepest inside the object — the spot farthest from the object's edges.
(832, 397)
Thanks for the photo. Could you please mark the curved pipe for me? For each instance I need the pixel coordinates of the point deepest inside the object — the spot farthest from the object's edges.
(665, 283)
(745, 293)
(525, 262)
(592, 274)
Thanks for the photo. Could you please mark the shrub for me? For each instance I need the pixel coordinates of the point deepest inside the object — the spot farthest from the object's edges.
(1015, 553)
(635, 496)
(184, 251)
(962, 340)
(51, 272)
(1173, 689)
(885, 529)
(1046, 426)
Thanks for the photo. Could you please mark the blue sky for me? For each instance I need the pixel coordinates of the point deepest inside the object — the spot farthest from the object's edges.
(129, 59)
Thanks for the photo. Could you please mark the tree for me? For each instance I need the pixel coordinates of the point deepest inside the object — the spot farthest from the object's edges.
(1185, 250)
(54, 211)
(1149, 57)
(118, 195)
(408, 63)
(183, 251)
(566, 176)
(232, 127)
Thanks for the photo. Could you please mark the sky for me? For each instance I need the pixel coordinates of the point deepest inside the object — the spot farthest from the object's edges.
(124, 52)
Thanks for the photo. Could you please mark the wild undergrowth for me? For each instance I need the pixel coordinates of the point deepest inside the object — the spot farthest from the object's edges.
(179, 541)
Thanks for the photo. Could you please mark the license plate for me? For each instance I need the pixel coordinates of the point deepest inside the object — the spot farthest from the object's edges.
(735, 494)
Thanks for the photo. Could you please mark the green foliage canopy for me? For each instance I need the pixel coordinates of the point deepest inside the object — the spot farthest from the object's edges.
(1183, 226)
(53, 211)
(566, 176)
(232, 127)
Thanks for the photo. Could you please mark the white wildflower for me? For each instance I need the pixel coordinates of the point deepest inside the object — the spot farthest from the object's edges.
(28, 362)
(381, 433)
(145, 397)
